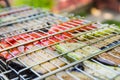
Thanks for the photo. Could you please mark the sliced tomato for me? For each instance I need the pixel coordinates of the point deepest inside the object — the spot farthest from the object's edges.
(59, 36)
(77, 21)
(46, 42)
(67, 25)
(54, 39)
(28, 46)
(49, 41)
(61, 27)
(26, 37)
(51, 32)
(5, 54)
(64, 36)
(34, 34)
(53, 29)
(21, 41)
(1, 48)
(37, 43)
(56, 28)
(42, 34)
(72, 23)
(5, 44)
(11, 40)
(21, 48)
(15, 51)
(15, 43)
(92, 26)
(17, 37)
(88, 27)
(23, 35)
(29, 37)
(67, 34)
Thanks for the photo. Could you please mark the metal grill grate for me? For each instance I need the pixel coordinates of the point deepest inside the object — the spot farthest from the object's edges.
(48, 54)
(71, 50)
(43, 20)
(13, 10)
(11, 17)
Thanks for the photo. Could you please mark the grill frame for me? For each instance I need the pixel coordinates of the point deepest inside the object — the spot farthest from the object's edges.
(60, 56)
(80, 61)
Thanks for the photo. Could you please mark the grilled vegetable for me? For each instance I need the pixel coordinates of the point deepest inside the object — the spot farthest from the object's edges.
(104, 31)
(80, 75)
(70, 24)
(109, 58)
(25, 37)
(100, 71)
(40, 56)
(53, 77)
(117, 78)
(77, 54)
(65, 76)
(65, 47)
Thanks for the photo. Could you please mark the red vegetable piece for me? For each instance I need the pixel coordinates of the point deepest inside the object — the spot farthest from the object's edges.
(46, 42)
(21, 41)
(21, 48)
(17, 37)
(4, 44)
(26, 37)
(59, 27)
(42, 34)
(34, 34)
(54, 39)
(5, 55)
(11, 40)
(93, 26)
(77, 21)
(89, 27)
(28, 46)
(72, 23)
(1, 48)
(67, 34)
(56, 28)
(15, 51)
(67, 25)
(37, 43)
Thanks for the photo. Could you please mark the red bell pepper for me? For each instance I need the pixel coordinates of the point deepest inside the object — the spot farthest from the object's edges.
(34, 34)
(15, 51)
(5, 54)
(4, 44)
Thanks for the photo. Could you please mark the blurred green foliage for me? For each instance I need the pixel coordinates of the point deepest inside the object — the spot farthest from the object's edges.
(47, 4)
(113, 22)
(84, 13)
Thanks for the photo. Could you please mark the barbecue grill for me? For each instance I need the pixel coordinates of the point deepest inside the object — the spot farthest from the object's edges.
(53, 47)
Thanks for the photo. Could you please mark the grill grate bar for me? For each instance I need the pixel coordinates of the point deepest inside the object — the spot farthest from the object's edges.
(49, 45)
(60, 55)
(15, 10)
(27, 27)
(41, 38)
(72, 64)
(57, 56)
(44, 48)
